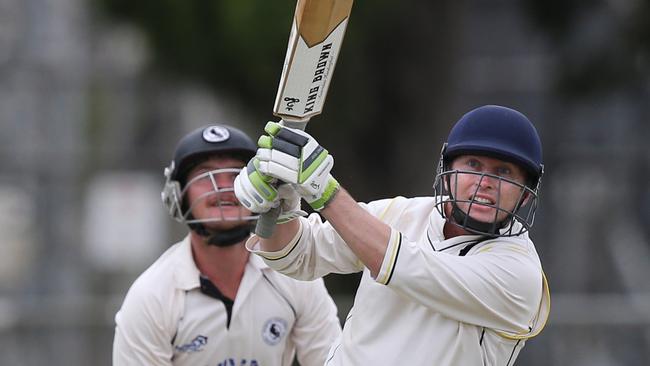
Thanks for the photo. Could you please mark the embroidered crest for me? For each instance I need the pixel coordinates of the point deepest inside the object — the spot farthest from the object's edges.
(195, 346)
(274, 330)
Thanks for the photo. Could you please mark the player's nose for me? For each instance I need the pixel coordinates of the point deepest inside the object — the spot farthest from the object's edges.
(486, 181)
(224, 180)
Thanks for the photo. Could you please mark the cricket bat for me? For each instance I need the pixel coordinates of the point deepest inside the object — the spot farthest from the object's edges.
(314, 45)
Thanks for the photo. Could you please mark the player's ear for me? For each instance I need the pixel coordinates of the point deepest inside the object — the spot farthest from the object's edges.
(445, 183)
(525, 198)
(451, 183)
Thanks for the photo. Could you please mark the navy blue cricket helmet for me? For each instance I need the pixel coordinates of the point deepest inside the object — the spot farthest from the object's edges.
(502, 133)
(498, 132)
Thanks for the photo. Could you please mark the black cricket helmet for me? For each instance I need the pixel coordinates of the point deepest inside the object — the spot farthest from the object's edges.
(191, 150)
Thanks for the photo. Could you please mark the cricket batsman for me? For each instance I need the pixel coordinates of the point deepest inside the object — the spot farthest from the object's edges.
(451, 279)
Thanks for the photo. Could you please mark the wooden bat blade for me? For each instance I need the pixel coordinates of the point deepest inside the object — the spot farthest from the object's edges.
(314, 45)
(316, 19)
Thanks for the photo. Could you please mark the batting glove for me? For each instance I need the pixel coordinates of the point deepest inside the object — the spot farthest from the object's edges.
(289, 204)
(254, 189)
(255, 192)
(293, 156)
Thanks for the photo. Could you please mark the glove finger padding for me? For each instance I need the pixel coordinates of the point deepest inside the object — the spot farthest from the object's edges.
(294, 156)
(253, 189)
(289, 204)
(320, 186)
(278, 164)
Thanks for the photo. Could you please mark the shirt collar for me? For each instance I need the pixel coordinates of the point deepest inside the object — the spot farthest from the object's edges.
(434, 232)
(256, 262)
(186, 273)
(436, 236)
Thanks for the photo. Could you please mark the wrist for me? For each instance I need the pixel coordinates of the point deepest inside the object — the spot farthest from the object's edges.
(331, 188)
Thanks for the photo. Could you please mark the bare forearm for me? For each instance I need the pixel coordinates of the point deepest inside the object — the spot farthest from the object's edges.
(366, 235)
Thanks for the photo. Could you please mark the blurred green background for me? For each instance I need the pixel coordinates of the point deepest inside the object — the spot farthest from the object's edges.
(94, 95)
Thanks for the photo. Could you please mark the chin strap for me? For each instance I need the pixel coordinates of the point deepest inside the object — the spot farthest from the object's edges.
(229, 237)
(465, 221)
(223, 238)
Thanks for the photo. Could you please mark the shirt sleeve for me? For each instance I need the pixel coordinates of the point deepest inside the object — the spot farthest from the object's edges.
(500, 285)
(317, 326)
(316, 251)
(143, 336)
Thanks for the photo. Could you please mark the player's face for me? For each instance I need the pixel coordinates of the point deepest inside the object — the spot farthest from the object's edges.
(482, 184)
(210, 193)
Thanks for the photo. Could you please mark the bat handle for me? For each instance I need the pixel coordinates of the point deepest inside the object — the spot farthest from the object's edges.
(266, 221)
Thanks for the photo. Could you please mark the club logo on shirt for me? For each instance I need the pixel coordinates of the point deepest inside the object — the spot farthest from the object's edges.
(195, 346)
(274, 330)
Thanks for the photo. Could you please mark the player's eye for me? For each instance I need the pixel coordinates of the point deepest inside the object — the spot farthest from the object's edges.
(504, 171)
(205, 174)
(200, 176)
(473, 164)
(229, 177)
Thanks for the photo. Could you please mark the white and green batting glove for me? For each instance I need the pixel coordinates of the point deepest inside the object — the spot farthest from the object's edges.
(258, 194)
(255, 190)
(289, 204)
(293, 156)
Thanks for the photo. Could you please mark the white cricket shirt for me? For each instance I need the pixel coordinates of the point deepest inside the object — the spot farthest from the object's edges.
(166, 319)
(439, 302)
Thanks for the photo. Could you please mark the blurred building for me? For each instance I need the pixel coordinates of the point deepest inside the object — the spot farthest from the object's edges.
(85, 132)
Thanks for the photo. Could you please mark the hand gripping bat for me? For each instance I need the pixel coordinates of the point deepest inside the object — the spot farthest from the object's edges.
(314, 45)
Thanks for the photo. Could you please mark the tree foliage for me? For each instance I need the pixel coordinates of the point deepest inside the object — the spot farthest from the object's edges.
(238, 46)
(603, 45)
(228, 44)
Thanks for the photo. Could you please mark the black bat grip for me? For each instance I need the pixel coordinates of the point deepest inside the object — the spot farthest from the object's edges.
(266, 221)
